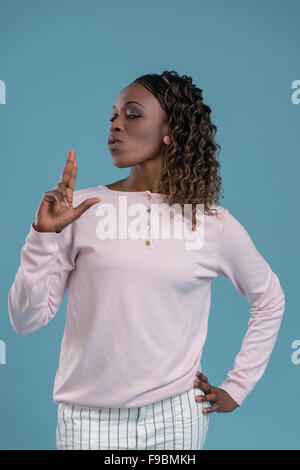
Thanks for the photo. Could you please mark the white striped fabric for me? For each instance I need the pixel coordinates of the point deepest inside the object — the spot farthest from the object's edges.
(176, 422)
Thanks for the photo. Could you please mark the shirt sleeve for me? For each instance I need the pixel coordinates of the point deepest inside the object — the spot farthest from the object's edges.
(244, 266)
(47, 258)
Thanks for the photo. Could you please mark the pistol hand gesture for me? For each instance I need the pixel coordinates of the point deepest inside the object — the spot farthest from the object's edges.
(56, 209)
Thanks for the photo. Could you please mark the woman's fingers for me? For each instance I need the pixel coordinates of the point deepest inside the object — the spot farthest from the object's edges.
(54, 195)
(72, 179)
(68, 179)
(202, 384)
(201, 376)
(208, 397)
(215, 407)
(67, 171)
(206, 388)
(84, 206)
(56, 209)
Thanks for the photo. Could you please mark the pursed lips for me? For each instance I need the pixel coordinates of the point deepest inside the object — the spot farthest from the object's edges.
(113, 140)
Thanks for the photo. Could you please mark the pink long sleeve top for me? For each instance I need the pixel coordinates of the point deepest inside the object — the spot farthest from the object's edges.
(138, 307)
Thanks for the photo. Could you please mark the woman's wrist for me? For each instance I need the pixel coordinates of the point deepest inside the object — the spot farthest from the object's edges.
(37, 229)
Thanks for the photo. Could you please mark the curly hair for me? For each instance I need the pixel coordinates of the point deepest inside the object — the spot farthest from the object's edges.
(190, 167)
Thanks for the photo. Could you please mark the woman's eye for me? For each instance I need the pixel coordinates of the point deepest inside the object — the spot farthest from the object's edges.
(129, 115)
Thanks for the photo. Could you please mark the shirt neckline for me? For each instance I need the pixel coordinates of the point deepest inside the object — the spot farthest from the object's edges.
(128, 192)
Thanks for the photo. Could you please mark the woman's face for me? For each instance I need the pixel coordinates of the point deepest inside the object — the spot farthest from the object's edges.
(141, 127)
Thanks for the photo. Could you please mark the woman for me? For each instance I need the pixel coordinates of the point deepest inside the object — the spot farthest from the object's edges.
(138, 303)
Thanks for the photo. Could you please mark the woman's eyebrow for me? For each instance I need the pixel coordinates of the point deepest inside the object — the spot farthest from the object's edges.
(128, 102)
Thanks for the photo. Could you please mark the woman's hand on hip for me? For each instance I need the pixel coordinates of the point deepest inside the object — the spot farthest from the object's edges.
(220, 400)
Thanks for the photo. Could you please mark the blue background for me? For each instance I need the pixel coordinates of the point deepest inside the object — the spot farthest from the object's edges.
(64, 62)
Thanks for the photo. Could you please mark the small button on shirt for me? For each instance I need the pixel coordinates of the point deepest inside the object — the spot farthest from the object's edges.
(139, 299)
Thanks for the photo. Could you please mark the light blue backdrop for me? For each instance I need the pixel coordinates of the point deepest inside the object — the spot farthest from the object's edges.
(63, 63)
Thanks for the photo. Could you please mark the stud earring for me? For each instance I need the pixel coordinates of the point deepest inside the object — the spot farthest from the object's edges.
(166, 139)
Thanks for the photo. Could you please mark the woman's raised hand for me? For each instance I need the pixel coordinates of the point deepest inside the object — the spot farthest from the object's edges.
(56, 209)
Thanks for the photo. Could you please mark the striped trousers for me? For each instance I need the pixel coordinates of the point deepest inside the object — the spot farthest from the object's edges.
(176, 422)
